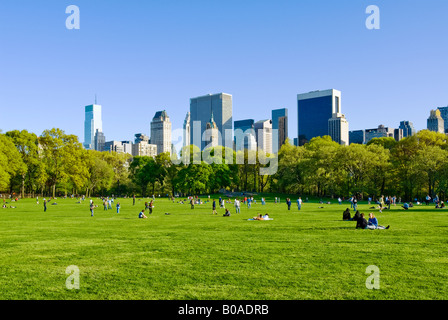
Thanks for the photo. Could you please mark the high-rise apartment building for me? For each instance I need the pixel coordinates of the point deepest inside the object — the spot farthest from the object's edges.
(314, 110)
(186, 130)
(201, 109)
(338, 129)
(279, 128)
(435, 121)
(92, 123)
(161, 132)
(263, 134)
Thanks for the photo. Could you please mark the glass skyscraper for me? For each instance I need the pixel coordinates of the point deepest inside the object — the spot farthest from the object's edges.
(92, 123)
(244, 135)
(201, 109)
(314, 110)
(408, 128)
(279, 128)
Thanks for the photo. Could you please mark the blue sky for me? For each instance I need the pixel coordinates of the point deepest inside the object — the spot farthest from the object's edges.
(141, 56)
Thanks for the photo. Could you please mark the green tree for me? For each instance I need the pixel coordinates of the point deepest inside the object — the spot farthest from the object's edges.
(27, 145)
(11, 163)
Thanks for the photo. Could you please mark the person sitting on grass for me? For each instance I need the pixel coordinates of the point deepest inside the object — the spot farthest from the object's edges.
(405, 206)
(141, 215)
(373, 223)
(440, 205)
(346, 215)
(361, 222)
(227, 214)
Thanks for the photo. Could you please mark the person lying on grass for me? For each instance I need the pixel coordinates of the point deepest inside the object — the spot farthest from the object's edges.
(261, 217)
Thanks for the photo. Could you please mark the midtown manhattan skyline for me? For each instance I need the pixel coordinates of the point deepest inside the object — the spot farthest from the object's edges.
(143, 57)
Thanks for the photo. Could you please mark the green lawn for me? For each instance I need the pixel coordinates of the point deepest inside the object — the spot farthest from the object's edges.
(192, 254)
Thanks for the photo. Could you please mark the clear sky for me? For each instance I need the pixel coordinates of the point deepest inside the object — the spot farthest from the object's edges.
(141, 56)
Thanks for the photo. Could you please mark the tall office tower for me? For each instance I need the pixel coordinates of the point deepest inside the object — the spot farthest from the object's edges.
(263, 131)
(380, 132)
(114, 146)
(408, 128)
(99, 140)
(435, 121)
(186, 129)
(201, 109)
(279, 123)
(92, 123)
(244, 135)
(139, 137)
(444, 115)
(314, 110)
(338, 129)
(211, 133)
(161, 132)
(357, 136)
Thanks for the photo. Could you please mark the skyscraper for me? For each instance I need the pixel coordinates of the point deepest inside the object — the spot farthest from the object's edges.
(186, 130)
(338, 129)
(201, 109)
(161, 132)
(211, 133)
(244, 134)
(435, 122)
(92, 123)
(408, 128)
(99, 140)
(314, 110)
(263, 134)
(279, 128)
(444, 115)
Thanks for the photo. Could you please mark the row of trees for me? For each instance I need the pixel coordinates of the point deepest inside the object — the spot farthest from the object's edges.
(412, 167)
(55, 163)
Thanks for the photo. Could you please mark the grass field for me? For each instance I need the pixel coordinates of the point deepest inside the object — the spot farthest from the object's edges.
(192, 254)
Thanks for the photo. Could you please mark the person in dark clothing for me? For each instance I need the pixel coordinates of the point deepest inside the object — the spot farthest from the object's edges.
(361, 223)
(346, 215)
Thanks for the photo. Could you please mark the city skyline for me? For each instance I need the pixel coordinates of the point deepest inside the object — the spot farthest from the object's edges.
(273, 51)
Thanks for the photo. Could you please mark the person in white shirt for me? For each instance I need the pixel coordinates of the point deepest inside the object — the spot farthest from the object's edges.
(237, 206)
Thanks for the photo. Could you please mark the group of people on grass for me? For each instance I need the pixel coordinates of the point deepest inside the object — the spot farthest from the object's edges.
(362, 222)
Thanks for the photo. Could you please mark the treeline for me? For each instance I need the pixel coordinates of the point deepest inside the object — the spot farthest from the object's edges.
(410, 168)
(56, 163)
